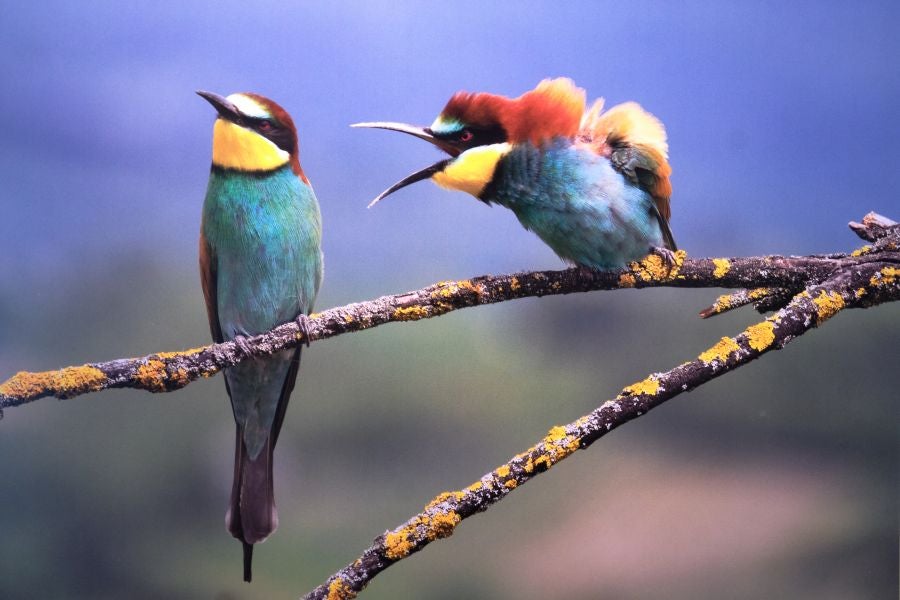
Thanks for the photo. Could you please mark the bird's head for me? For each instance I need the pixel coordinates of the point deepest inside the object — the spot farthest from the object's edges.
(478, 129)
(252, 134)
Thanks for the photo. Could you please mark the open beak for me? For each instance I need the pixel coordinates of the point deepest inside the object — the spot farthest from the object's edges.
(226, 109)
(423, 133)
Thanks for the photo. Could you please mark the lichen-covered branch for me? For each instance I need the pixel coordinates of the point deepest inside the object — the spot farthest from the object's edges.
(772, 279)
(852, 285)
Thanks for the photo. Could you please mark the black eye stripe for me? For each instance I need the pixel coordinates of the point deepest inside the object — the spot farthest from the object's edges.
(480, 136)
(256, 122)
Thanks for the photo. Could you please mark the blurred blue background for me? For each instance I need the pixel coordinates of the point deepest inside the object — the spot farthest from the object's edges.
(777, 481)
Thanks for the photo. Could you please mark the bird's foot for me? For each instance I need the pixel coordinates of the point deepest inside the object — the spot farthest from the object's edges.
(665, 254)
(240, 342)
(304, 323)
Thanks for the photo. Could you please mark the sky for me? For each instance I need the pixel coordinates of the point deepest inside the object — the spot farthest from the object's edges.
(782, 127)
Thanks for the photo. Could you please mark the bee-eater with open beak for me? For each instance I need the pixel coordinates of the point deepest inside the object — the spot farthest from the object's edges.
(593, 185)
(260, 266)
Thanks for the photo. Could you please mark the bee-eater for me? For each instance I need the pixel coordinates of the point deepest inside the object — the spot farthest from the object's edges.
(593, 185)
(260, 266)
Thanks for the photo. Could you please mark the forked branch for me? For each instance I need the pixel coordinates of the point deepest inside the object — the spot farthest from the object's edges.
(853, 285)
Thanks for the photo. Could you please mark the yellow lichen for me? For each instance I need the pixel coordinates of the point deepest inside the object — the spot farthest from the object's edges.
(180, 377)
(181, 353)
(447, 289)
(413, 313)
(397, 544)
(348, 318)
(511, 484)
(720, 351)
(627, 280)
(828, 304)
(655, 268)
(758, 293)
(64, 383)
(502, 471)
(861, 251)
(557, 445)
(514, 284)
(886, 276)
(339, 590)
(555, 434)
(432, 524)
(860, 292)
(648, 387)
(439, 499)
(475, 486)
(722, 303)
(152, 375)
(723, 265)
(441, 525)
(465, 284)
(761, 335)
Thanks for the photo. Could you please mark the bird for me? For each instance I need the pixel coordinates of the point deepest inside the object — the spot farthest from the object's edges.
(261, 265)
(592, 184)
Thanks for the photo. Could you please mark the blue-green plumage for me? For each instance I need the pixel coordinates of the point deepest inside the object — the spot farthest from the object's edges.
(265, 234)
(577, 203)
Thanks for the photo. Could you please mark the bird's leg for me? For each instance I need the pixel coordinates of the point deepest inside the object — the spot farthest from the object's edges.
(304, 324)
(241, 342)
(664, 253)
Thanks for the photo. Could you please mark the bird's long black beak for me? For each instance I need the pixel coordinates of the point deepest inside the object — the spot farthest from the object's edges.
(423, 133)
(226, 109)
(425, 173)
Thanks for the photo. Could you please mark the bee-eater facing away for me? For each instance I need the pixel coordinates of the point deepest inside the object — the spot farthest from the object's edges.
(260, 265)
(593, 185)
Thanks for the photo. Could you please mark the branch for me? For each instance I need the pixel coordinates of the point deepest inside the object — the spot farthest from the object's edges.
(855, 285)
(773, 280)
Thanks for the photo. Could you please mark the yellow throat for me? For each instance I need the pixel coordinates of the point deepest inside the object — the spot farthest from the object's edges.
(472, 170)
(235, 147)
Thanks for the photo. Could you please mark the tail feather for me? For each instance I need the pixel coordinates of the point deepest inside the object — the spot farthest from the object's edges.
(252, 515)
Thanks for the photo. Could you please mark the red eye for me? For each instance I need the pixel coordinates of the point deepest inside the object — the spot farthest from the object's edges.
(265, 125)
(466, 136)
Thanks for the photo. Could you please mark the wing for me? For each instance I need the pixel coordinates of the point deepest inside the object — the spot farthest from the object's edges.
(286, 390)
(208, 282)
(635, 143)
(645, 168)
